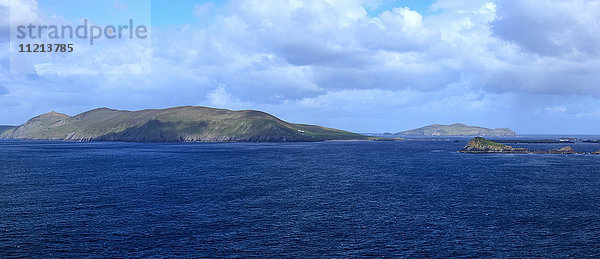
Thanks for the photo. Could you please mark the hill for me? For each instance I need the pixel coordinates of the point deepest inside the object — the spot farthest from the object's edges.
(180, 124)
(4, 128)
(456, 130)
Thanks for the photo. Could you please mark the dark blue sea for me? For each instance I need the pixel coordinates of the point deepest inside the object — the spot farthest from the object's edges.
(410, 198)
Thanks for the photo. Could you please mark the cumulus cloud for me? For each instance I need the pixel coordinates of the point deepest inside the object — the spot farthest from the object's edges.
(464, 60)
(220, 97)
(544, 47)
(114, 56)
(569, 29)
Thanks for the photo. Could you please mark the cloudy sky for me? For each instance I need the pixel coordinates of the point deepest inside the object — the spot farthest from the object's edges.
(364, 66)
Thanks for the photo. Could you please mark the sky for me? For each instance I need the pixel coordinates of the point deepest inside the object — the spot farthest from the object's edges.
(358, 65)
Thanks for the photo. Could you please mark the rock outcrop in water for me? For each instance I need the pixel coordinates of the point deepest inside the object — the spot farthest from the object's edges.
(564, 150)
(482, 145)
(180, 124)
(456, 130)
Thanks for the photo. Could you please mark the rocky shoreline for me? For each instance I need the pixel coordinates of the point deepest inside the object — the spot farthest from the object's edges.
(481, 145)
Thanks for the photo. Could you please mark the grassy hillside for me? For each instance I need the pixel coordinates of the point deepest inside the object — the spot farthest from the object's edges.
(456, 130)
(189, 124)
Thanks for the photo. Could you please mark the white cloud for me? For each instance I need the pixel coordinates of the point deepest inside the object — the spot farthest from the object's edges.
(469, 57)
(568, 29)
(219, 97)
(555, 109)
(202, 10)
(22, 11)
(106, 57)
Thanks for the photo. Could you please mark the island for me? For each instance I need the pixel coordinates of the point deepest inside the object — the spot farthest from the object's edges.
(457, 129)
(179, 124)
(4, 128)
(482, 145)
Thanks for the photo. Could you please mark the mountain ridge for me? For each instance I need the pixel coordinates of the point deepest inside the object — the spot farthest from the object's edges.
(176, 124)
(457, 129)
(4, 128)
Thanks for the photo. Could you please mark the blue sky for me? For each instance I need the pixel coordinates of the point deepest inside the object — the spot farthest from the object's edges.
(421, 6)
(359, 65)
(100, 11)
(164, 12)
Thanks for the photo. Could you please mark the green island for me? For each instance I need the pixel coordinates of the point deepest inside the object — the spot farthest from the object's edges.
(482, 145)
(457, 129)
(179, 124)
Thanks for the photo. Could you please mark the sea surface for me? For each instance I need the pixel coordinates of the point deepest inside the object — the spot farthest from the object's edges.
(409, 198)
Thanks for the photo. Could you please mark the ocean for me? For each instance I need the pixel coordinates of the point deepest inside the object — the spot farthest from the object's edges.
(416, 198)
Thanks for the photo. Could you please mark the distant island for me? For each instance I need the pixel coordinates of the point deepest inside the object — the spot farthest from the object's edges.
(179, 124)
(457, 129)
(5, 128)
(482, 145)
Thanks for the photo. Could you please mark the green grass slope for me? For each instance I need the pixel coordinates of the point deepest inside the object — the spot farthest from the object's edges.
(456, 130)
(180, 124)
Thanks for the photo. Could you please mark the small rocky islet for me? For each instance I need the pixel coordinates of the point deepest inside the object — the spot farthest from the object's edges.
(482, 145)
